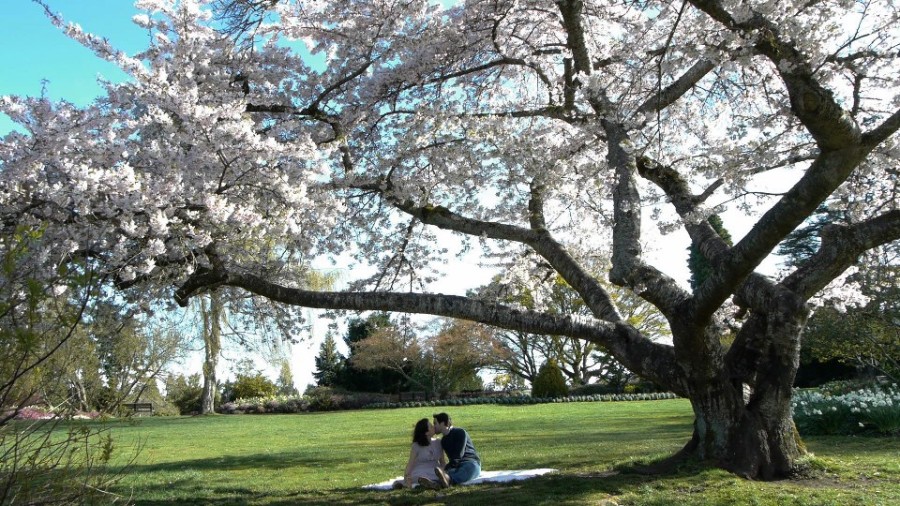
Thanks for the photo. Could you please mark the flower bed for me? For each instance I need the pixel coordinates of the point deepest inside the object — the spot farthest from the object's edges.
(44, 413)
(867, 410)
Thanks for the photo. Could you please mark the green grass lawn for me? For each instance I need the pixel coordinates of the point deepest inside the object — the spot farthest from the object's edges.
(326, 458)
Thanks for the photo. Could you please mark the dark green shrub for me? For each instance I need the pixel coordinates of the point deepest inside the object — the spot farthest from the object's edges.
(841, 387)
(549, 381)
(294, 405)
(358, 400)
(187, 400)
(185, 393)
(166, 409)
(104, 398)
(322, 399)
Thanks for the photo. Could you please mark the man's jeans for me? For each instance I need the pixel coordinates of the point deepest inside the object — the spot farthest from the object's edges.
(465, 471)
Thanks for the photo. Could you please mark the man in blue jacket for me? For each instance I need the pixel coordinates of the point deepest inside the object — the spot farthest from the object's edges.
(463, 462)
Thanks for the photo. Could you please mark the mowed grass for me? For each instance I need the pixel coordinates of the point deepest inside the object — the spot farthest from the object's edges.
(326, 458)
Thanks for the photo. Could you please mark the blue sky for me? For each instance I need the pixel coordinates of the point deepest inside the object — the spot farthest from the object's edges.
(33, 49)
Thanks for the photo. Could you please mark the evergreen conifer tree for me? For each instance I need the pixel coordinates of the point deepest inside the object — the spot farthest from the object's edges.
(329, 363)
(549, 381)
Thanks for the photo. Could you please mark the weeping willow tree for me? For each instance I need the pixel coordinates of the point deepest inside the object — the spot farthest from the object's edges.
(227, 316)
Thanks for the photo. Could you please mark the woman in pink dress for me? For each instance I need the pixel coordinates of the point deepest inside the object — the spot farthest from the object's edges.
(424, 455)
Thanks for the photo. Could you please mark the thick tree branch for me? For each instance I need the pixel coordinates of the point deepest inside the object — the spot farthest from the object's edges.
(881, 133)
(443, 218)
(651, 360)
(756, 292)
(627, 267)
(536, 205)
(815, 106)
(668, 95)
(658, 289)
(840, 248)
(716, 288)
(591, 292)
(732, 266)
(824, 176)
(571, 14)
(537, 238)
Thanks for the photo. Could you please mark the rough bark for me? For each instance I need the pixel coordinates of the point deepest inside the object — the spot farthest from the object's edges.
(212, 340)
(743, 416)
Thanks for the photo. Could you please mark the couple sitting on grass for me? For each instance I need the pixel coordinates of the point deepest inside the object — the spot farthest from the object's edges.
(427, 466)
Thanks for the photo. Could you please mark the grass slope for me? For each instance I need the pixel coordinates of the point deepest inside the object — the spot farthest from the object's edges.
(325, 458)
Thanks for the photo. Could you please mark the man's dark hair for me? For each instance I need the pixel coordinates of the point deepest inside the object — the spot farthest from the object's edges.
(443, 418)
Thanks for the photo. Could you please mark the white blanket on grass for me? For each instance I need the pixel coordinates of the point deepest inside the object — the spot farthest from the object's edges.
(485, 477)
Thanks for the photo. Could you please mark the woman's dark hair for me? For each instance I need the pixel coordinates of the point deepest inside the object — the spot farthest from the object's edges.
(420, 433)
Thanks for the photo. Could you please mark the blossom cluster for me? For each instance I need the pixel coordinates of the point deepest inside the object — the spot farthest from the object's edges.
(872, 409)
(41, 413)
(34, 413)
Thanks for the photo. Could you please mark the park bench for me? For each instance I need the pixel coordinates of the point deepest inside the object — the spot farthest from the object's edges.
(140, 407)
(470, 393)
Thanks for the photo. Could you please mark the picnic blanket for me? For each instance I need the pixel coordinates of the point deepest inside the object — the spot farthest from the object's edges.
(485, 477)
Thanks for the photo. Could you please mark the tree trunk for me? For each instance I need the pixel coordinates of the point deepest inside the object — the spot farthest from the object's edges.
(756, 440)
(207, 402)
(743, 417)
(80, 395)
(212, 337)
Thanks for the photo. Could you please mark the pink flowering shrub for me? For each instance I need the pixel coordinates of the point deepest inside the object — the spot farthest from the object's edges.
(34, 413)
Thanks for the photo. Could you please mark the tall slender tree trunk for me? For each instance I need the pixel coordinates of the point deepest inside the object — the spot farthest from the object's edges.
(80, 395)
(212, 340)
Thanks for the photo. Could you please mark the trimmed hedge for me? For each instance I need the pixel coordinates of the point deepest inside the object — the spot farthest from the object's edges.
(343, 401)
(523, 399)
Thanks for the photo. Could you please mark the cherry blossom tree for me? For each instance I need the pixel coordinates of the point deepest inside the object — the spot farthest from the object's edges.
(557, 128)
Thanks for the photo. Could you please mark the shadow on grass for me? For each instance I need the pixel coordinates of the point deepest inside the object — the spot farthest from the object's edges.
(259, 461)
(547, 490)
(690, 483)
(593, 449)
(553, 489)
(206, 480)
